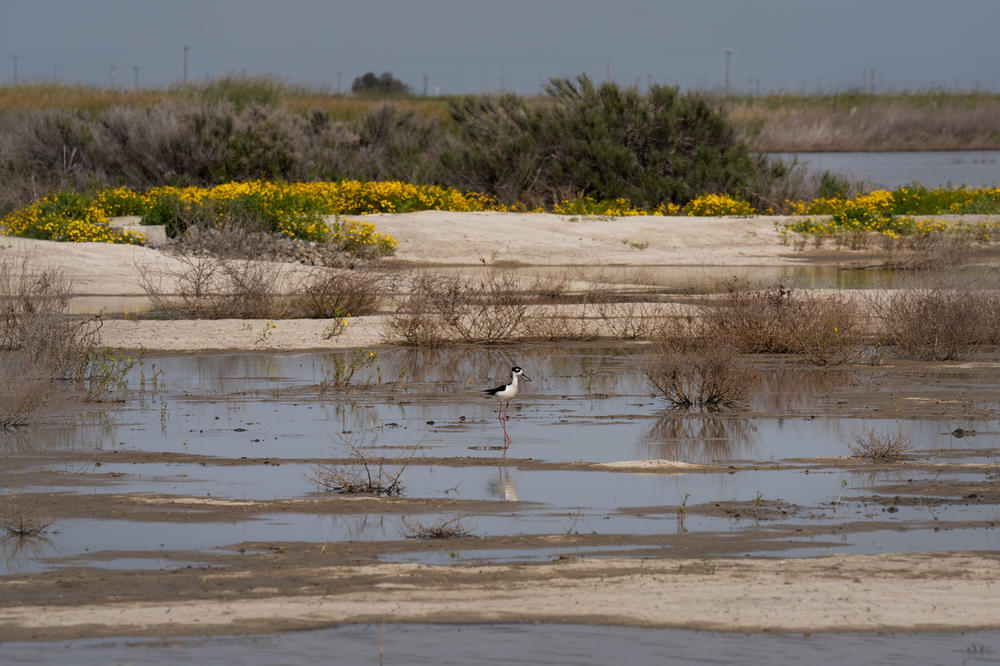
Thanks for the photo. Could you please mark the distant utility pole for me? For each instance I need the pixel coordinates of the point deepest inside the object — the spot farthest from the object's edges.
(112, 77)
(728, 54)
(14, 58)
(425, 85)
(185, 79)
(607, 70)
(135, 77)
(338, 82)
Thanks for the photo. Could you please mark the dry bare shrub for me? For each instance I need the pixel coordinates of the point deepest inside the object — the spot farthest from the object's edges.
(880, 446)
(363, 474)
(497, 308)
(40, 344)
(242, 237)
(940, 321)
(19, 518)
(27, 295)
(211, 286)
(826, 328)
(215, 288)
(416, 322)
(54, 348)
(486, 310)
(490, 309)
(327, 293)
(546, 323)
(691, 369)
(253, 290)
(630, 320)
(450, 528)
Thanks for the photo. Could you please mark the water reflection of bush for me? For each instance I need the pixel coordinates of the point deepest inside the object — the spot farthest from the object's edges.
(793, 389)
(702, 438)
(18, 551)
(14, 442)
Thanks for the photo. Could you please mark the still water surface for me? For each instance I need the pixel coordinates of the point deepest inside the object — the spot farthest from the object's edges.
(931, 169)
(522, 644)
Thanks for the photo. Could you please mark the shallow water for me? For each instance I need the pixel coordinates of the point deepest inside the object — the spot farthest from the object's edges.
(523, 644)
(973, 168)
(652, 281)
(586, 403)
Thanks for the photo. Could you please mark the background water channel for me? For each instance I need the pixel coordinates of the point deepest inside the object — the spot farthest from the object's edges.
(945, 168)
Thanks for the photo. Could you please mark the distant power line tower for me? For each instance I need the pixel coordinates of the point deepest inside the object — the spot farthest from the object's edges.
(186, 49)
(728, 54)
(14, 59)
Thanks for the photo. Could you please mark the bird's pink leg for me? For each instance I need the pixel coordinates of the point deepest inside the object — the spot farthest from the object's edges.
(503, 422)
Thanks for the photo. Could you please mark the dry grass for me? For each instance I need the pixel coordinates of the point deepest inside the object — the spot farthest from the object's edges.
(690, 369)
(19, 519)
(880, 446)
(825, 328)
(849, 122)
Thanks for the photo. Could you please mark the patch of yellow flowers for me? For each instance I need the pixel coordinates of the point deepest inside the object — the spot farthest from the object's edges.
(710, 205)
(298, 210)
(69, 218)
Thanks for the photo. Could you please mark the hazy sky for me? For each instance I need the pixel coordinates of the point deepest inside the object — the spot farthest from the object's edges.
(478, 45)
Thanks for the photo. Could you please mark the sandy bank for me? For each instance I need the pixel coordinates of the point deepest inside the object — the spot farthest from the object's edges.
(931, 591)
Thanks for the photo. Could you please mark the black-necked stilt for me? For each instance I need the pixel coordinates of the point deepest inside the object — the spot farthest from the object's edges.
(506, 393)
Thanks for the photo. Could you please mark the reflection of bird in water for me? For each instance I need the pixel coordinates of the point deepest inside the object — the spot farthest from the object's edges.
(506, 393)
(503, 487)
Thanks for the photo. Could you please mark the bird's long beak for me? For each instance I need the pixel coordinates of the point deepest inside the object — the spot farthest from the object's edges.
(524, 376)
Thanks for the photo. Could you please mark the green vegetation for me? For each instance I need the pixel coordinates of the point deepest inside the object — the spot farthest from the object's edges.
(603, 142)
(276, 157)
(384, 85)
(578, 140)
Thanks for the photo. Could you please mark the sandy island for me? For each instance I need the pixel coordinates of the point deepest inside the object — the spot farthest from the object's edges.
(431, 239)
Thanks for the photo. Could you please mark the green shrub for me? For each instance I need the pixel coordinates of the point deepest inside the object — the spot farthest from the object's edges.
(604, 142)
(171, 212)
